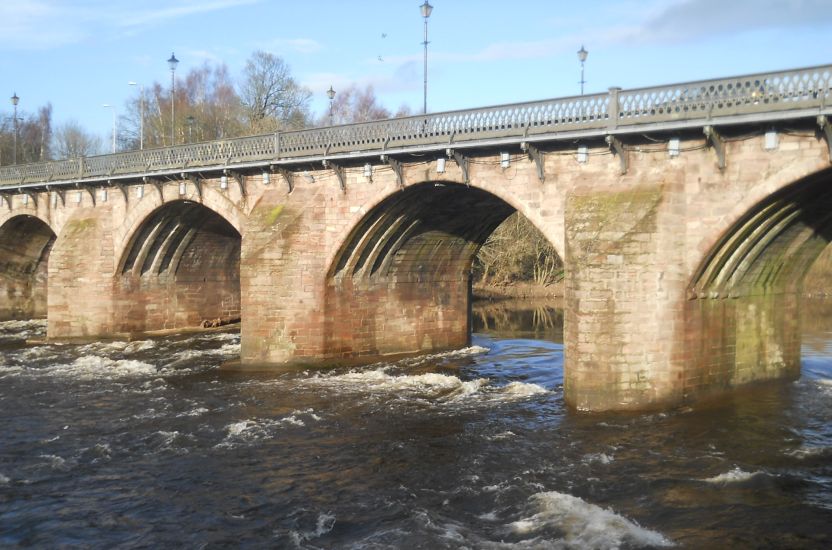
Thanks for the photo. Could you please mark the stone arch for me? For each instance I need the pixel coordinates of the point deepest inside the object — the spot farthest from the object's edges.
(26, 242)
(400, 281)
(139, 210)
(773, 179)
(742, 316)
(500, 192)
(771, 246)
(180, 268)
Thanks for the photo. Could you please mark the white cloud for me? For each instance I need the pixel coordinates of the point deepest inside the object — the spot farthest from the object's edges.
(304, 45)
(655, 21)
(185, 8)
(405, 77)
(44, 24)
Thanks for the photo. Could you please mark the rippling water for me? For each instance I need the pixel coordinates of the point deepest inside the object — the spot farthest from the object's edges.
(149, 444)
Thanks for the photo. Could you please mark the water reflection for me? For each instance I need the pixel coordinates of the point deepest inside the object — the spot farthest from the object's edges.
(520, 318)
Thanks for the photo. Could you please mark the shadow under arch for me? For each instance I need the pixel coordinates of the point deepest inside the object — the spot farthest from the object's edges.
(401, 281)
(25, 244)
(743, 312)
(181, 269)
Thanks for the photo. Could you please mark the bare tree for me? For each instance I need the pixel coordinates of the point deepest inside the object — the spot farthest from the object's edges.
(71, 141)
(34, 133)
(516, 251)
(207, 108)
(273, 100)
(356, 105)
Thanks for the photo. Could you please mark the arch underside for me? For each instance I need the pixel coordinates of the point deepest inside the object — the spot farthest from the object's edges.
(402, 281)
(182, 269)
(25, 245)
(743, 319)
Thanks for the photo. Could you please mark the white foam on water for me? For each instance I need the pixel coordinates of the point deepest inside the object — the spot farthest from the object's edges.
(55, 462)
(323, 525)
(250, 431)
(196, 411)
(508, 434)
(601, 458)
(805, 452)
(140, 345)
(441, 388)
(111, 346)
(4, 480)
(171, 440)
(378, 380)
(217, 336)
(293, 420)
(37, 352)
(94, 367)
(489, 516)
(522, 389)
(584, 525)
(499, 487)
(22, 329)
(10, 371)
(226, 350)
(27, 323)
(470, 351)
(735, 475)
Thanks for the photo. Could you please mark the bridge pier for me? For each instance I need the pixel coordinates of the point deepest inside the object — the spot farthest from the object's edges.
(624, 298)
(399, 283)
(81, 266)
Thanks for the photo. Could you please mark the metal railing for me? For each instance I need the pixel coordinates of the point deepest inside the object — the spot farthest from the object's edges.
(758, 94)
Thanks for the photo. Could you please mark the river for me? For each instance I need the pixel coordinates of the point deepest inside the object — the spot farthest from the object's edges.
(149, 444)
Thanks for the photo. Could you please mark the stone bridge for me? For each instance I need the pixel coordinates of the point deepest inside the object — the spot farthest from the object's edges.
(686, 216)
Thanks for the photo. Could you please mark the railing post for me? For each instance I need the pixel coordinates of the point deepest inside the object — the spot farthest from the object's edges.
(613, 108)
(277, 145)
(81, 167)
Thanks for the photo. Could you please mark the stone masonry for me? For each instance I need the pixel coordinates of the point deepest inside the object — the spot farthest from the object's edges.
(677, 286)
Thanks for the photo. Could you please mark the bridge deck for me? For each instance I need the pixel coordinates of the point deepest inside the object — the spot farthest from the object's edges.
(757, 98)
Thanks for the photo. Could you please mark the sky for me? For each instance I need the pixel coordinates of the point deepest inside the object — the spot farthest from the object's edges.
(80, 54)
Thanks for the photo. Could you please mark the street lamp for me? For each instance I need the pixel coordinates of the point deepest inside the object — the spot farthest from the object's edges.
(190, 120)
(108, 106)
(331, 95)
(426, 10)
(15, 100)
(172, 63)
(141, 112)
(582, 54)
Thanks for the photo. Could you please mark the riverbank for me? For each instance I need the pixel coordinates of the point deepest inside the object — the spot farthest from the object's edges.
(517, 291)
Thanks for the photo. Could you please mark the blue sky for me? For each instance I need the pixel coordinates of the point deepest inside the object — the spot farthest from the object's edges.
(78, 54)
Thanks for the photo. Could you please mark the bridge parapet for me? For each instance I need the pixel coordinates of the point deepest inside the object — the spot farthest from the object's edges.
(763, 97)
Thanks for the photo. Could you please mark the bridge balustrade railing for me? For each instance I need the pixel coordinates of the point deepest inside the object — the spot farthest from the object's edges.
(692, 101)
(760, 93)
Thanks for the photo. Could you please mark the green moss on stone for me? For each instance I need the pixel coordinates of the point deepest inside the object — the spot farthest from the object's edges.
(273, 214)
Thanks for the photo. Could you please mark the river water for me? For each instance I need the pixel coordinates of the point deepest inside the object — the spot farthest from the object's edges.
(148, 444)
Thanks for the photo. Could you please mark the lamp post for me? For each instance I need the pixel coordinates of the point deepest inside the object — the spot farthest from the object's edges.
(15, 100)
(190, 121)
(426, 10)
(172, 63)
(582, 54)
(141, 112)
(331, 95)
(108, 106)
